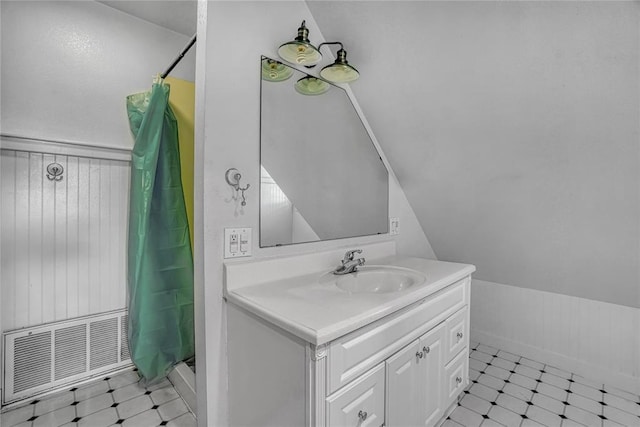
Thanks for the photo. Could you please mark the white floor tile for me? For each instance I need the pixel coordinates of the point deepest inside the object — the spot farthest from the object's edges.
(475, 404)
(555, 381)
(548, 403)
(504, 364)
(487, 349)
(505, 416)
(581, 416)
(570, 423)
(587, 382)
(586, 391)
(128, 392)
(54, 402)
(102, 418)
(172, 409)
(149, 418)
(16, 416)
(95, 404)
(557, 372)
(503, 374)
(620, 416)
(518, 392)
(528, 371)
(508, 356)
(490, 423)
(491, 381)
(466, 417)
(447, 423)
(477, 365)
(585, 403)
(621, 393)
(473, 374)
(623, 404)
(482, 357)
(552, 391)
(56, 418)
(188, 420)
(91, 390)
(129, 408)
(532, 364)
(544, 417)
(512, 403)
(164, 395)
(484, 392)
(523, 381)
(123, 379)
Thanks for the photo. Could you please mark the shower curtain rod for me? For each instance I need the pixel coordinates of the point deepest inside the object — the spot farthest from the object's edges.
(179, 57)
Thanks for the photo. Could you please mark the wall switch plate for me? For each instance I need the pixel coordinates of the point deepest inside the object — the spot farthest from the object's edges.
(237, 242)
(394, 226)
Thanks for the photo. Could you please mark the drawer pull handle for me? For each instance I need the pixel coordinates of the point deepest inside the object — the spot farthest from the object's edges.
(419, 354)
(458, 380)
(459, 335)
(426, 349)
(362, 415)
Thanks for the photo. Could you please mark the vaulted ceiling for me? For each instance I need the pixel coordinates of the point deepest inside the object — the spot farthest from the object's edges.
(513, 129)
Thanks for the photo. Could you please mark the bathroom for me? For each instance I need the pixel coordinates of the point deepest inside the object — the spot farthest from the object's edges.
(511, 128)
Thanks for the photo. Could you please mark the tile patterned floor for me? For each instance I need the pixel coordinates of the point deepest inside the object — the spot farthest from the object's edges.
(513, 391)
(118, 400)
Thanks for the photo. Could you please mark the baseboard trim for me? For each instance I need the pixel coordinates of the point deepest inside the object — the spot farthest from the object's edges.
(579, 367)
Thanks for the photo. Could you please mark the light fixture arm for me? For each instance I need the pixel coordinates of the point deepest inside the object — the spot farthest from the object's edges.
(327, 43)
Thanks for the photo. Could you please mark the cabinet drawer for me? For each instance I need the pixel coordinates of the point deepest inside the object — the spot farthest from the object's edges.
(361, 403)
(456, 377)
(355, 353)
(456, 336)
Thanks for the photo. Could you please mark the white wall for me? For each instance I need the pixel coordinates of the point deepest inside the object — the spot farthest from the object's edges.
(63, 242)
(67, 67)
(513, 127)
(594, 339)
(229, 111)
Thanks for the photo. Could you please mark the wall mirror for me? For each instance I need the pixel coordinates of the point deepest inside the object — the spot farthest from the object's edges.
(321, 175)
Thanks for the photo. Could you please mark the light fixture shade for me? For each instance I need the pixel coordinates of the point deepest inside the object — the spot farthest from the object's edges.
(300, 50)
(311, 86)
(340, 71)
(274, 71)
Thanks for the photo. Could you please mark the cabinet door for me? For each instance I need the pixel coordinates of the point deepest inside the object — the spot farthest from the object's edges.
(431, 367)
(403, 387)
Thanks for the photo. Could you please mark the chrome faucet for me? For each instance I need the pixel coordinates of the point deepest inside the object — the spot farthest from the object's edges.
(349, 264)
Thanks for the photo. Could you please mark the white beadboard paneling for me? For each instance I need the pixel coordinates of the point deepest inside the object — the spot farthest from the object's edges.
(63, 243)
(594, 339)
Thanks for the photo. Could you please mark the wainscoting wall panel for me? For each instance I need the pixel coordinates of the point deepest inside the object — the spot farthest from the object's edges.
(597, 340)
(63, 242)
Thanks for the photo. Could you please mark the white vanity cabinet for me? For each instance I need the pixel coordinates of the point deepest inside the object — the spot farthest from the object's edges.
(405, 369)
(303, 351)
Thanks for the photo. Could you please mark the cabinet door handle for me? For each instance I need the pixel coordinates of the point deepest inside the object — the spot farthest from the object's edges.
(458, 380)
(419, 354)
(459, 335)
(362, 415)
(426, 349)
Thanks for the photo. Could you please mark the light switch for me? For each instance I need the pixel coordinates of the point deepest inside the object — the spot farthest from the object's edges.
(237, 242)
(394, 226)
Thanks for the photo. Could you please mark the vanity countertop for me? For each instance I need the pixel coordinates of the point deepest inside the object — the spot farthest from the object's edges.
(319, 312)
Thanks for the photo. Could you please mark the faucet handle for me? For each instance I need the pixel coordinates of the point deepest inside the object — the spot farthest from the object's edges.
(348, 256)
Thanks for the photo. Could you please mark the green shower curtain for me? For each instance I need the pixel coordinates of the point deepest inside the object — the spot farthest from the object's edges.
(160, 262)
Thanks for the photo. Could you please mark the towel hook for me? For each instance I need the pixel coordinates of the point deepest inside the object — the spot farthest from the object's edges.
(233, 179)
(54, 172)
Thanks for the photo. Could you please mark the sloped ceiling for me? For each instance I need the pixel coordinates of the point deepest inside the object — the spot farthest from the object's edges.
(175, 15)
(513, 129)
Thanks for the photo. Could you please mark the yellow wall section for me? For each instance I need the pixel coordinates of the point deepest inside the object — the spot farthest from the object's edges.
(182, 101)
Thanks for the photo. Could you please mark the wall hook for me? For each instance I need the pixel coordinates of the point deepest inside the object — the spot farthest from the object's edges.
(54, 172)
(233, 179)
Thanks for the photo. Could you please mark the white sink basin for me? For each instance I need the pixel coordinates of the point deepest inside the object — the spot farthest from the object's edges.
(376, 279)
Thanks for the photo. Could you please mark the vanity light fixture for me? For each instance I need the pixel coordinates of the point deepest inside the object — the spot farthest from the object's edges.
(311, 86)
(274, 71)
(340, 71)
(300, 50)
